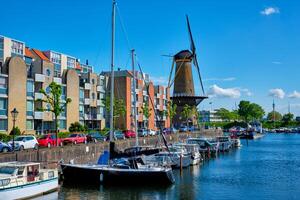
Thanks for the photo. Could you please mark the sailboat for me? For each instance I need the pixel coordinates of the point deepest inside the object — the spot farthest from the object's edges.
(122, 168)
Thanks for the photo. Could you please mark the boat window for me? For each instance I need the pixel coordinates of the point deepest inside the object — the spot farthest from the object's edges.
(50, 174)
(7, 170)
(20, 171)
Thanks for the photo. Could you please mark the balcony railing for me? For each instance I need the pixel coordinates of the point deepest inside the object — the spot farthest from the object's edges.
(30, 94)
(86, 101)
(29, 113)
(38, 115)
(39, 78)
(38, 95)
(87, 86)
(57, 80)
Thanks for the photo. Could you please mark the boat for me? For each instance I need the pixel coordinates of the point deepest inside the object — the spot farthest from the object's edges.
(225, 143)
(192, 149)
(205, 145)
(20, 180)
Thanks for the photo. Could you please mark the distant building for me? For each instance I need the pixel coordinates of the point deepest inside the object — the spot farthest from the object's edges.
(209, 116)
(298, 119)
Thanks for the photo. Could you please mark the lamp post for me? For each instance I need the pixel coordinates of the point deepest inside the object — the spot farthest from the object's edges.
(14, 114)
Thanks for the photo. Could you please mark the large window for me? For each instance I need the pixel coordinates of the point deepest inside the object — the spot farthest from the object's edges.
(17, 48)
(81, 95)
(3, 85)
(29, 124)
(3, 124)
(62, 124)
(81, 111)
(63, 93)
(30, 88)
(63, 113)
(56, 59)
(71, 63)
(1, 49)
(3, 106)
(30, 108)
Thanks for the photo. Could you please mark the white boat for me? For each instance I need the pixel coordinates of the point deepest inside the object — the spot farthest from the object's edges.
(178, 155)
(193, 149)
(20, 180)
(225, 143)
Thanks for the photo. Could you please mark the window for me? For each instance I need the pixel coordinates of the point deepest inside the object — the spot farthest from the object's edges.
(48, 90)
(55, 58)
(62, 124)
(17, 47)
(48, 107)
(93, 96)
(81, 95)
(29, 124)
(3, 85)
(71, 63)
(48, 72)
(3, 106)
(102, 82)
(3, 124)
(30, 88)
(30, 108)
(63, 93)
(93, 81)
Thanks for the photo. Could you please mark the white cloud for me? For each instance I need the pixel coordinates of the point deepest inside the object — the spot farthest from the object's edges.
(247, 92)
(277, 92)
(294, 95)
(216, 91)
(276, 63)
(220, 79)
(270, 11)
(160, 80)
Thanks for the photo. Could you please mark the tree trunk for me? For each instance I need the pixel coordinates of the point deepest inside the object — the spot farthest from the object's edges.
(56, 130)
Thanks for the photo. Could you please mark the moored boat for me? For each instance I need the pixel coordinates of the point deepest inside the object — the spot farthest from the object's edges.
(20, 180)
(193, 150)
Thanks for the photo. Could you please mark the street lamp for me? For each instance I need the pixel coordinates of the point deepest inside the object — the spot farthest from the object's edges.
(14, 113)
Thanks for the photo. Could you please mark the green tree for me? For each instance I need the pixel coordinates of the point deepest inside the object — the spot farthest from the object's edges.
(171, 111)
(53, 103)
(146, 111)
(287, 118)
(224, 114)
(256, 111)
(119, 107)
(77, 127)
(274, 116)
(244, 110)
(250, 111)
(186, 112)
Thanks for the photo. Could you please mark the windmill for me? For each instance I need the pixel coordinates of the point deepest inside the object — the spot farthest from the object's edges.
(184, 91)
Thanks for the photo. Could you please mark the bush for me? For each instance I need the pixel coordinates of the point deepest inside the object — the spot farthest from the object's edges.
(16, 130)
(5, 137)
(77, 127)
(63, 134)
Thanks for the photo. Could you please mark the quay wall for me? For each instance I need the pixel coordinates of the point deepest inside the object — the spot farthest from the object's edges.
(89, 153)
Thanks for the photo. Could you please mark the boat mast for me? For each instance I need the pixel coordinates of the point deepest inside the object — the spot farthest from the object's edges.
(112, 78)
(134, 100)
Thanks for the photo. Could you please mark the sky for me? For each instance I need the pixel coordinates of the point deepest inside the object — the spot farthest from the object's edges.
(247, 50)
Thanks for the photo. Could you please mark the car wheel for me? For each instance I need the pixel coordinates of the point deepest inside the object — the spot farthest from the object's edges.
(49, 145)
(36, 146)
(4, 150)
(75, 142)
(21, 148)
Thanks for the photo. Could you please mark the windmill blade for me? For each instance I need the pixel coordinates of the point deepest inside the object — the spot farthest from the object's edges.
(193, 48)
(198, 69)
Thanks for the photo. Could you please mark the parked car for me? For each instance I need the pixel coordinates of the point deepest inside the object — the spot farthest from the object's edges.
(129, 134)
(5, 147)
(169, 130)
(142, 132)
(75, 138)
(183, 129)
(25, 142)
(118, 135)
(95, 137)
(151, 132)
(49, 140)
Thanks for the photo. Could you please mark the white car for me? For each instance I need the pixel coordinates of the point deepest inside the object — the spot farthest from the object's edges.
(25, 142)
(151, 132)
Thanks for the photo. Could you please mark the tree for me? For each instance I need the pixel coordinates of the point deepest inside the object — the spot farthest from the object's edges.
(195, 113)
(250, 111)
(119, 107)
(146, 111)
(52, 101)
(287, 118)
(224, 114)
(186, 112)
(171, 111)
(274, 116)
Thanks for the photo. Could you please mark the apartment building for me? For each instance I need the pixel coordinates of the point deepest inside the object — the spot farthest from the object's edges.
(156, 99)
(24, 71)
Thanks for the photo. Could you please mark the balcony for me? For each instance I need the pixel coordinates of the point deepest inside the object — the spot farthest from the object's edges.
(57, 80)
(87, 86)
(137, 91)
(99, 103)
(39, 78)
(145, 93)
(157, 106)
(38, 95)
(99, 117)
(30, 113)
(3, 91)
(100, 89)
(86, 101)
(38, 115)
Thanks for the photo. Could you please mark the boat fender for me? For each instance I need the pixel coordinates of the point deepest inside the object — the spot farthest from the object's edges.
(101, 177)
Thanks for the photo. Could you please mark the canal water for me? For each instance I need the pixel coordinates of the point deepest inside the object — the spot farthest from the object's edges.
(268, 168)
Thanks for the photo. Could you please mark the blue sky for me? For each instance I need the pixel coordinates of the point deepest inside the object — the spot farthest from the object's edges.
(245, 48)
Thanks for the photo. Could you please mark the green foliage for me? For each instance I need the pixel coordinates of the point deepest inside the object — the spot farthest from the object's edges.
(227, 115)
(274, 116)
(5, 137)
(250, 111)
(146, 111)
(63, 134)
(77, 127)
(171, 111)
(186, 111)
(287, 118)
(15, 130)
(119, 107)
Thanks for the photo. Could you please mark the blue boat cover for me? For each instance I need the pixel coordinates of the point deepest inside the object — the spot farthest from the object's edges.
(103, 159)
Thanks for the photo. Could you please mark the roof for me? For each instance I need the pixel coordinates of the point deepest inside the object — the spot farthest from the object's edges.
(28, 53)
(41, 55)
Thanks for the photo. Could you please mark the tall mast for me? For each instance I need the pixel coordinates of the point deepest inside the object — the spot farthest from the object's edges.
(112, 78)
(134, 100)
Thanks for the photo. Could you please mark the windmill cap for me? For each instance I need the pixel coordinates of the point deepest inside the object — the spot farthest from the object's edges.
(184, 54)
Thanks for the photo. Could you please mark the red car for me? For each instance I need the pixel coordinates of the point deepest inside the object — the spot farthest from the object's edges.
(49, 140)
(75, 138)
(129, 134)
